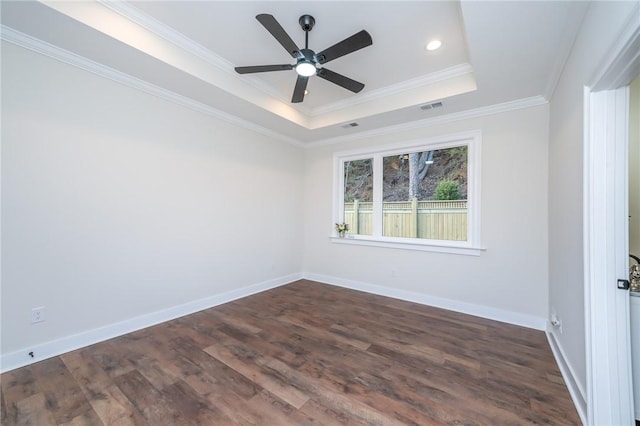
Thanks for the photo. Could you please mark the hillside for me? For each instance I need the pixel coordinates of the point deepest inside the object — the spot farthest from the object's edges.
(448, 164)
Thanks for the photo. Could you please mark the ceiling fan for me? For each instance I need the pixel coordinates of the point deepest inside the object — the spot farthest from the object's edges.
(307, 61)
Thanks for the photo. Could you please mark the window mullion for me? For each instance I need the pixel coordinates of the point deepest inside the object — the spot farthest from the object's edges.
(377, 195)
(340, 190)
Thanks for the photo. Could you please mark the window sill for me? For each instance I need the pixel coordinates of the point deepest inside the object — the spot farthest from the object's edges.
(438, 247)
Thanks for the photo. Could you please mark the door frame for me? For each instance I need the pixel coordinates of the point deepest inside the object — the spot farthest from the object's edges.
(605, 221)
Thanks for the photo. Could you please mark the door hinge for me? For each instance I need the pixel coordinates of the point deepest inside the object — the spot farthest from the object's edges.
(623, 284)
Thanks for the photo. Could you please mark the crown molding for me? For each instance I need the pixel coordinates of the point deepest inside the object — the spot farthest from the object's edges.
(178, 39)
(442, 119)
(36, 45)
(135, 15)
(411, 84)
(621, 63)
(39, 46)
(47, 49)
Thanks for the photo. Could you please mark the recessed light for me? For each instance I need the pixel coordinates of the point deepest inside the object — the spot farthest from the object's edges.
(434, 45)
(306, 92)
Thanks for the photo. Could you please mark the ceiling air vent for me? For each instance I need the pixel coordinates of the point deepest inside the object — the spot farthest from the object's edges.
(350, 125)
(431, 106)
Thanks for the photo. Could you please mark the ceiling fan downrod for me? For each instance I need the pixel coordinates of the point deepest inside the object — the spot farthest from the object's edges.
(306, 23)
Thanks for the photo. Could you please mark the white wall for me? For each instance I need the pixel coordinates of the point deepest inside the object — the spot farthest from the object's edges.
(117, 204)
(509, 279)
(600, 28)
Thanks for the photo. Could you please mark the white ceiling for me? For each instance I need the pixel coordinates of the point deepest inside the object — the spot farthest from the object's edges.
(493, 53)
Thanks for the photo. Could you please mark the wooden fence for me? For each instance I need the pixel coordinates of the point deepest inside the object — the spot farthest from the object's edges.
(438, 220)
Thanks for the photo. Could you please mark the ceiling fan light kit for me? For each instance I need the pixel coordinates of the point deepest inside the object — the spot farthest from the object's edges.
(305, 69)
(308, 62)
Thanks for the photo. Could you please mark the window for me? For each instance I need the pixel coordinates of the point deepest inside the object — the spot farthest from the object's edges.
(420, 195)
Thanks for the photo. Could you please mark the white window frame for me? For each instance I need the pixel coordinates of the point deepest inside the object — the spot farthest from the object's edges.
(473, 141)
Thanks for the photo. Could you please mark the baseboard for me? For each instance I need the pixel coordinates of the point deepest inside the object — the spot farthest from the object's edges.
(578, 394)
(57, 347)
(516, 318)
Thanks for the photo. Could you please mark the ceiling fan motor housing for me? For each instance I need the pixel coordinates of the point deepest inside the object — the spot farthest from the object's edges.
(308, 55)
(306, 22)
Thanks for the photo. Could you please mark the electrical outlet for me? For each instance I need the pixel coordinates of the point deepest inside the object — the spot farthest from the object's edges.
(37, 315)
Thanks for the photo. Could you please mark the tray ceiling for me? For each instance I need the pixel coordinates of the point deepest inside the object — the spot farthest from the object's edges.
(493, 53)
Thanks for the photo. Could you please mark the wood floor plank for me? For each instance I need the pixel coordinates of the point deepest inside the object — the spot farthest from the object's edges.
(193, 407)
(279, 343)
(114, 408)
(149, 402)
(324, 332)
(3, 408)
(108, 402)
(90, 376)
(313, 413)
(270, 409)
(241, 411)
(242, 360)
(341, 401)
(210, 374)
(461, 396)
(88, 418)
(301, 354)
(33, 411)
(63, 395)
(16, 385)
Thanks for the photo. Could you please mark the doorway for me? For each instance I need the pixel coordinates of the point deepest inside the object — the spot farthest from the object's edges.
(606, 237)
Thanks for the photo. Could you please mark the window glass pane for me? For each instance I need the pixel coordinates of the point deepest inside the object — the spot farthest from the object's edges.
(425, 194)
(358, 196)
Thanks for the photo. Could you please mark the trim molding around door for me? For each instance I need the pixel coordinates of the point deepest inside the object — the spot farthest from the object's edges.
(605, 205)
(608, 345)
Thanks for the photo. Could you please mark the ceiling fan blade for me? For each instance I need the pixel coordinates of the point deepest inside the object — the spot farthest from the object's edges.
(340, 80)
(298, 92)
(348, 45)
(263, 68)
(276, 30)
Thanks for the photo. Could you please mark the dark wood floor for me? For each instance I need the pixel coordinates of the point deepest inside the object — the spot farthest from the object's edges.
(305, 353)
